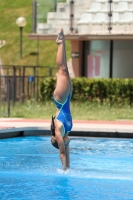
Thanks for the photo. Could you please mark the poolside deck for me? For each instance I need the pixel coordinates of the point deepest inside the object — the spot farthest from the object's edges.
(10, 127)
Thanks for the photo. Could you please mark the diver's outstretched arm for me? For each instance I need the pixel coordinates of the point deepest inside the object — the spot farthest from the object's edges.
(62, 149)
(67, 156)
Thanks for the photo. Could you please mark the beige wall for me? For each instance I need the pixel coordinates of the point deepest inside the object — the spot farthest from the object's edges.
(76, 46)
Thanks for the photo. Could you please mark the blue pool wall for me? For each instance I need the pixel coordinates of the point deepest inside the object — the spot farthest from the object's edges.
(19, 132)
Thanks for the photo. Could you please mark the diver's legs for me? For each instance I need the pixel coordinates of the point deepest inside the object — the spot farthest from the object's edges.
(63, 84)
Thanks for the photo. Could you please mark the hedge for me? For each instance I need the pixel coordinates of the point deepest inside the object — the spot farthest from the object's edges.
(94, 90)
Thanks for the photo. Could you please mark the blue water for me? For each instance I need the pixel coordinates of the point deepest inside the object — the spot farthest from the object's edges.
(101, 169)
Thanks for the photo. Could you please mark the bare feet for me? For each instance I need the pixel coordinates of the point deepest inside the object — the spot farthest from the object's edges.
(60, 36)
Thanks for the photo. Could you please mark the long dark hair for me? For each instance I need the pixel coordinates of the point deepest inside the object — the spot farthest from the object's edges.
(53, 140)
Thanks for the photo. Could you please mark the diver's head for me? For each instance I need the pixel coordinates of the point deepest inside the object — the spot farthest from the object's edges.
(53, 140)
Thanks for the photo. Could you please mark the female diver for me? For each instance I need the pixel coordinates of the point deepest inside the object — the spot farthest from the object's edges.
(61, 124)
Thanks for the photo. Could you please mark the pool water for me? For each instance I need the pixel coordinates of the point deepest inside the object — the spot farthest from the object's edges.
(101, 169)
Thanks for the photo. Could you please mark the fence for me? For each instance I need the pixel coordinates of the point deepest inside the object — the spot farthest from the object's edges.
(4, 96)
(19, 83)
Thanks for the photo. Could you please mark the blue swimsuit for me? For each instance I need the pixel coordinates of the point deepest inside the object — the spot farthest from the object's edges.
(64, 115)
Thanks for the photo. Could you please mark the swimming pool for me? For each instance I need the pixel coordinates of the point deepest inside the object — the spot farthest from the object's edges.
(101, 169)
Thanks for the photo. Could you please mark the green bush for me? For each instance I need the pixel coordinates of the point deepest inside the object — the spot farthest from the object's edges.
(47, 87)
(111, 91)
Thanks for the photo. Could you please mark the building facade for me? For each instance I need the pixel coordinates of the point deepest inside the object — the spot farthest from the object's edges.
(100, 48)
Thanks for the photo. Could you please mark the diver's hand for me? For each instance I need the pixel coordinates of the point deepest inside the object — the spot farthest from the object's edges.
(64, 168)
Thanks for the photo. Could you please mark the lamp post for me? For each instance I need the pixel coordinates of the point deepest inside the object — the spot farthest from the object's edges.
(21, 22)
(71, 15)
(55, 5)
(110, 15)
(34, 16)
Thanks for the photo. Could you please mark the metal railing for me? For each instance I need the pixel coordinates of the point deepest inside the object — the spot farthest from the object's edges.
(4, 96)
(20, 83)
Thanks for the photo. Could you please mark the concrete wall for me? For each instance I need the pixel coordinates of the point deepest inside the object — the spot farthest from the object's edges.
(76, 48)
